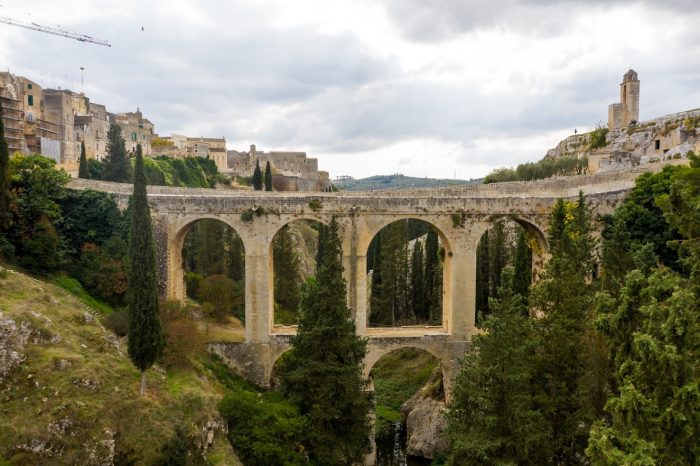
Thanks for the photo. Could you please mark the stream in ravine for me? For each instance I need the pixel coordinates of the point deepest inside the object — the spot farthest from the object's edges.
(391, 450)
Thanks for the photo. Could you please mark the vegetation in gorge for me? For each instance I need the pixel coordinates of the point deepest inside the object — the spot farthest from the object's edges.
(545, 168)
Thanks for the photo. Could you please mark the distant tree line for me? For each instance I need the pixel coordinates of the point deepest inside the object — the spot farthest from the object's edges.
(545, 168)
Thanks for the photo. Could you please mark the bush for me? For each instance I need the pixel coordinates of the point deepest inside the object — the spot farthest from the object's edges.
(265, 429)
(180, 450)
(182, 338)
(117, 322)
(193, 281)
(598, 137)
(223, 294)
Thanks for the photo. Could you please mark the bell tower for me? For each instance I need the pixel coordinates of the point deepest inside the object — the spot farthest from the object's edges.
(621, 114)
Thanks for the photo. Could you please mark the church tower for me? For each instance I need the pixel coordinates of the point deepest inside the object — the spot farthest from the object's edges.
(620, 115)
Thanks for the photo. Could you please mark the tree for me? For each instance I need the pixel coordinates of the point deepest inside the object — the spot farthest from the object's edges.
(145, 330)
(286, 267)
(433, 272)
(420, 310)
(323, 373)
(522, 266)
(117, 166)
(223, 294)
(494, 417)
(654, 339)
(394, 302)
(563, 297)
(5, 214)
(83, 168)
(257, 177)
(268, 177)
(482, 278)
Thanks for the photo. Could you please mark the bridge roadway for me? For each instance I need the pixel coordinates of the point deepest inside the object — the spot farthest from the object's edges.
(460, 215)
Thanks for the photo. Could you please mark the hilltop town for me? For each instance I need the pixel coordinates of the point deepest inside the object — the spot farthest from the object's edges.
(54, 123)
(626, 141)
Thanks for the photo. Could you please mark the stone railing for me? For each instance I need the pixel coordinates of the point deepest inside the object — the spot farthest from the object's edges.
(566, 186)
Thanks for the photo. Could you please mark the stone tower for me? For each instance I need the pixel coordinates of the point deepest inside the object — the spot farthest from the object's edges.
(621, 114)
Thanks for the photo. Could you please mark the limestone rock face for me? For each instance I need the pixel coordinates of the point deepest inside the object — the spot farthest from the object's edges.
(13, 338)
(425, 425)
(424, 418)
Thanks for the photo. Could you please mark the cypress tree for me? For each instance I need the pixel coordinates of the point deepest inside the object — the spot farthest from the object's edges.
(564, 298)
(236, 260)
(320, 243)
(323, 373)
(376, 290)
(268, 177)
(418, 282)
(286, 267)
(482, 278)
(431, 266)
(522, 265)
(83, 169)
(257, 177)
(4, 177)
(494, 417)
(117, 166)
(145, 331)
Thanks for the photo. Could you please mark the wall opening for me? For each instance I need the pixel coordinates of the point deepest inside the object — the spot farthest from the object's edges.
(404, 379)
(213, 260)
(405, 267)
(294, 257)
(505, 244)
(657, 144)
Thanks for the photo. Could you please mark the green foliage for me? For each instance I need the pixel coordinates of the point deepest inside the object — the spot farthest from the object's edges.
(287, 277)
(180, 450)
(117, 322)
(264, 428)
(396, 378)
(653, 336)
(257, 177)
(117, 166)
(522, 266)
(182, 339)
(36, 187)
(323, 373)
(145, 330)
(268, 177)
(82, 167)
(545, 168)
(639, 223)
(74, 287)
(564, 297)
(315, 205)
(193, 281)
(94, 168)
(597, 138)
(223, 294)
(494, 418)
(458, 219)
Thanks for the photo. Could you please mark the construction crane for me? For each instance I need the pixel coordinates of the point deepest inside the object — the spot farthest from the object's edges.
(56, 31)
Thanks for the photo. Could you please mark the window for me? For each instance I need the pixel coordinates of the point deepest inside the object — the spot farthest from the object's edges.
(30, 100)
(657, 144)
(29, 86)
(134, 137)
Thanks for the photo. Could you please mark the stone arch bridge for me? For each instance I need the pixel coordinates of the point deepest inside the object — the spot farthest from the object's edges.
(460, 214)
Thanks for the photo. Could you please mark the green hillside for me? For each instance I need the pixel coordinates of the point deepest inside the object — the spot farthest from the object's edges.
(69, 394)
(397, 181)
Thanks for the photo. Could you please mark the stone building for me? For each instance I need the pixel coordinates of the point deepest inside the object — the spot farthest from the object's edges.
(621, 114)
(26, 128)
(292, 171)
(135, 129)
(179, 146)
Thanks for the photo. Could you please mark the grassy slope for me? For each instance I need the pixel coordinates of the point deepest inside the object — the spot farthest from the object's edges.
(397, 377)
(40, 397)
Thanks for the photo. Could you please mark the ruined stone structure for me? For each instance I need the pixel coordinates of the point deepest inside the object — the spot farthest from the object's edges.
(627, 110)
(178, 146)
(292, 171)
(460, 214)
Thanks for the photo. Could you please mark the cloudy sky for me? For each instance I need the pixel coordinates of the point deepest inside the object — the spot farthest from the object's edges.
(425, 88)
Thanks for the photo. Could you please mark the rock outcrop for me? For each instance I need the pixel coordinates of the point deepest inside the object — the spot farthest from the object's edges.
(424, 418)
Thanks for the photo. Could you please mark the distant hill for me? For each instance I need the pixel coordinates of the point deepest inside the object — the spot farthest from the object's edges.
(397, 181)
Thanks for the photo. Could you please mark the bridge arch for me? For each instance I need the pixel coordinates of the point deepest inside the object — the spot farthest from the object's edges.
(176, 242)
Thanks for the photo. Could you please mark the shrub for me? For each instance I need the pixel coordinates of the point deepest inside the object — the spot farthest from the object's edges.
(180, 450)
(265, 429)
(598, 137)
(222, 293)
(182, 338)
(247, 216)
(193, 280)
(117, 322)
(315, 205)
